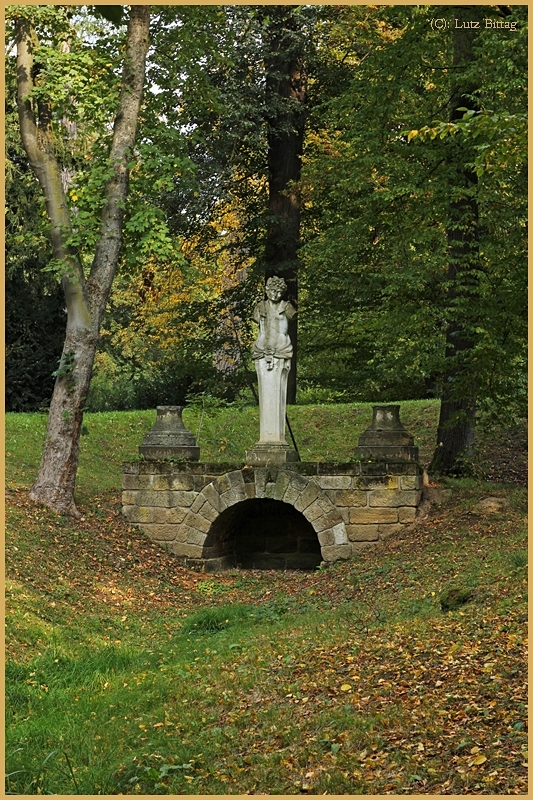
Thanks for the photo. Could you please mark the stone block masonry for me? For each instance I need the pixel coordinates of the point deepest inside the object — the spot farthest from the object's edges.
(200, 511)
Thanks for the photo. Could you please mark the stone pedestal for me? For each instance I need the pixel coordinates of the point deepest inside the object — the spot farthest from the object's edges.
(265, 454)
(272, 447)
(169, 438)
(386, 439)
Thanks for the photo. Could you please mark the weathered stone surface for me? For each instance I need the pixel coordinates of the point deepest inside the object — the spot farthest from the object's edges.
(198, 502)
(231, 497)
(337, 468)
(148, 514)
(291, 495)
(155, 467)
(410, 482)
(352, 498)
(271, 455)
(185, 549)
(131, 512)
(211, 494)
(379, 498)
(222, 484)
(247, 473)
(313, 512)
(250, 491)
(324, 502)
(208, 512)
(169, 438)
(261, 477)
(308, 496)
(326, 538)
(304, 468)
(327, 520)
(147, 497)
(160, 482)
(402, 467)
(388, 530)
(129, 498)
(269, 489)
(366, 482)
(373, 468)
(272, 352)
(201, 481)
(334, 481)
(182, 482)
(197, 522)
(344, 513)
(336, 552)
(282, 484)
(183, 533)
(362, 516)
(406, 514)
(339, 533)
(161, 533)
(237, 483)
(176, 515)
(298, 482)
(185, 498)
(135, 482)
(363, 533)
(196, 537)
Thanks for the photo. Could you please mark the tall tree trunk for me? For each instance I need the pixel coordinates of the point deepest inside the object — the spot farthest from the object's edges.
(455, 433)
(85, 299)
(286, 85)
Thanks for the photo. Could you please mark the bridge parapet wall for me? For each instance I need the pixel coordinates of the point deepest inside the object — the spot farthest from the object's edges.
(350, 506)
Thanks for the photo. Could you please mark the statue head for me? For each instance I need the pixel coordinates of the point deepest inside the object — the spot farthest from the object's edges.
(275, 288)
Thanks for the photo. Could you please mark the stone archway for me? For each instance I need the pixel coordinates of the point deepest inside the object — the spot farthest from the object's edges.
(264, 534)
(204, 538)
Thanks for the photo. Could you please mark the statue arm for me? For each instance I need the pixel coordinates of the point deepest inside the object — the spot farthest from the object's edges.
(290, 311)
(258, 312)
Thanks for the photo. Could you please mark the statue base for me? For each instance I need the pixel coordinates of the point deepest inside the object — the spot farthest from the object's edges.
(264, 454)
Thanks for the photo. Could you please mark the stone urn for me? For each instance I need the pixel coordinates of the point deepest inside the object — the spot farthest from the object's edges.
(169, 438)
(386, 438)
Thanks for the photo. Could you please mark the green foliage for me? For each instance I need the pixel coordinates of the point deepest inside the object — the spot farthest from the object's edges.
(212, 620)
(380, 169)
(377, 188)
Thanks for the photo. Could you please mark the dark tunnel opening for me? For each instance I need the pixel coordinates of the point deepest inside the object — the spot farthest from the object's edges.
(263, 534)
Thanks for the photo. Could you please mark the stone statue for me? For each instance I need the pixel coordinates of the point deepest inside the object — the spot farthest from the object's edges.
(272, 353)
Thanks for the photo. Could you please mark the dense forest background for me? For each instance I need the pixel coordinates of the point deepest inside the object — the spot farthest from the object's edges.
(374, 158)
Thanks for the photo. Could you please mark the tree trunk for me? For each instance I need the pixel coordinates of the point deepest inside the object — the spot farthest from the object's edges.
(455, 433)
(286, 85)
(85, 299)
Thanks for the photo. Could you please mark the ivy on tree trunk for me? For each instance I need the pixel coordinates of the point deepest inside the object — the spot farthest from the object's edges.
(85, 298)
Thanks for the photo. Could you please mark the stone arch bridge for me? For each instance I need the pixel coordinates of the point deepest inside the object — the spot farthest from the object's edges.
(295, 516)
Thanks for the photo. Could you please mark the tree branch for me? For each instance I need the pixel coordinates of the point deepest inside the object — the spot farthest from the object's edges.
(38, 142)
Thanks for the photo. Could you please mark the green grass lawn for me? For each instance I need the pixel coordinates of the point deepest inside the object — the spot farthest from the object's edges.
(129, 674)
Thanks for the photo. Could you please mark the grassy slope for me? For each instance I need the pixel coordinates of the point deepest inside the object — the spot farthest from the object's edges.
(134, 675)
